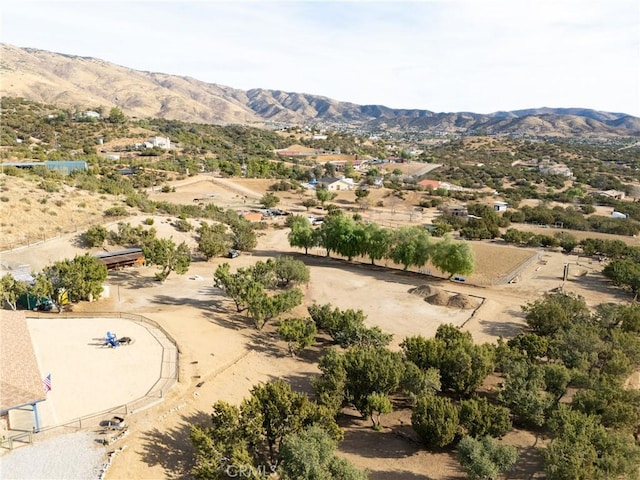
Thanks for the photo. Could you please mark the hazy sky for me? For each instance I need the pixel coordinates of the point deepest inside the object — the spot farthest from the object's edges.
(459, 55)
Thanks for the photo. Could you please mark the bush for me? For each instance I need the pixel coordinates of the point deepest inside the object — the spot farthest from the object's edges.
(115, 212)
(435, 420)
(95, 236)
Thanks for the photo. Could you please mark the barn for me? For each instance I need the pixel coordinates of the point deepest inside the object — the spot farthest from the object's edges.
(130, 257)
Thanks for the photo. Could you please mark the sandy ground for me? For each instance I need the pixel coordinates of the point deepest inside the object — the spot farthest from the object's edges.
(86, 376)
(225, 356)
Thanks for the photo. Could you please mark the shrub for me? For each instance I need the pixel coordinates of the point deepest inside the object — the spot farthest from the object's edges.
(115, 212)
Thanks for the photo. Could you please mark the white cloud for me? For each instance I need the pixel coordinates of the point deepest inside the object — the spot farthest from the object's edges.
(440, 55)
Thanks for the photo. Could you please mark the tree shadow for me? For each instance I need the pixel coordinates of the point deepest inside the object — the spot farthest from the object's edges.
(132, 279)
(171, 449)
(501, 328)
(529, 466)
(396, 475)
(207, 304)
(222, 317)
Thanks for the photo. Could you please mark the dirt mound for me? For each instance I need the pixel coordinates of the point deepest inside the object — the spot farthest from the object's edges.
(462, 301)
(424, 291)
(439, 298)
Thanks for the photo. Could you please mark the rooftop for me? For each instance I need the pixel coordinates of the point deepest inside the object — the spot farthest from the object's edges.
(20, 378)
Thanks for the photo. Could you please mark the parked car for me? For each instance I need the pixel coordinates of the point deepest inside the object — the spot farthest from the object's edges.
(233, 253)
(45, 306)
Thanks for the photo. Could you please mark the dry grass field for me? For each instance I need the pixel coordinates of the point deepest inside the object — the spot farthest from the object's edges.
(222, 356)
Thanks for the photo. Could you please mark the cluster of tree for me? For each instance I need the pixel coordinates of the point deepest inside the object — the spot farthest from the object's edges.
(347, 328)
(364, 376)
(623, 268)
(273, 427)
(163, 252)
(573, 219)
(407, 246)
(568, 345)
(263, 290)
(80, 278)
(560, 239)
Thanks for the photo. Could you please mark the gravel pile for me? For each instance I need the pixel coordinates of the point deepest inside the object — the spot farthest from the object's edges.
(69, 456)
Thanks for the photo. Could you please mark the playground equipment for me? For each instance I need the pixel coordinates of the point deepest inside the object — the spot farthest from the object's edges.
(112, 340)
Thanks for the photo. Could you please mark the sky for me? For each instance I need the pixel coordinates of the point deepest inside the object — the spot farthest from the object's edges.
(478, 56)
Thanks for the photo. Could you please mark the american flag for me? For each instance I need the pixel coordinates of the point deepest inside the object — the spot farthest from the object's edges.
(47, 383)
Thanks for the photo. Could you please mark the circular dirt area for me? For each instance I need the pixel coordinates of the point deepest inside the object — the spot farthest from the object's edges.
(88, 377)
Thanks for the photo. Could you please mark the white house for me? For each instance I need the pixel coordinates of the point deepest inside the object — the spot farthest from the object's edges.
(334, 184)
(500, 206)
(162, 142)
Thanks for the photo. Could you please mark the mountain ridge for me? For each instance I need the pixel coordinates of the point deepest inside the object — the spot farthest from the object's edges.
(88, 82)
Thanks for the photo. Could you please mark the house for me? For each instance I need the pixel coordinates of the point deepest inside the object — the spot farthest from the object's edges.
(615, 194)
(336, 184)
(21, 384)
(252, 216)
(555, 169)
(500, 206)
(129, 257)
(455, 210)
(161, 142)
(433, 184)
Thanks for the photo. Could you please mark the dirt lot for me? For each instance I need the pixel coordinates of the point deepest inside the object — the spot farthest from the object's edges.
(222, 353)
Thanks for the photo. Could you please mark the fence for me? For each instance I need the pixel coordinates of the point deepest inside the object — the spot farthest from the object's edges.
(508, 277)
(169, 372)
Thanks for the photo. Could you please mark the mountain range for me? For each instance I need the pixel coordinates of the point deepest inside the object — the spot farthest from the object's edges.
(86, 83)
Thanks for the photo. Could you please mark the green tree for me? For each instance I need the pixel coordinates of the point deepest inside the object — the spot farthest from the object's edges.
(213, 240)
(288, 269)
(330, 387)
(556, 311)
(524, 391)
(274, 410)
(309, 455)
(484, 458)
(242, 438)
(324, 195)
(624, 273)
(11, 290)
(583, 449)
(416, 382)
(244, 236)
(95, 236)
(170, 257)
(370, 370)
(463, 365)
(412, 247)
(480, 418)
(262, 307)
(435, 420)
(116, 116)
(377, 405)
(302, 235)
(235, 285)
(309, 203)
(269, 200)
(82, 277)
(453, 257)
(299, 333)
(376, 241)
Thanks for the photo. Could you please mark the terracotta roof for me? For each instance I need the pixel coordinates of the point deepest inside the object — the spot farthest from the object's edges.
(20, 378)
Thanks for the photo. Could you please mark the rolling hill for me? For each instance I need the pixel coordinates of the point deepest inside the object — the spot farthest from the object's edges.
(85, 82)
